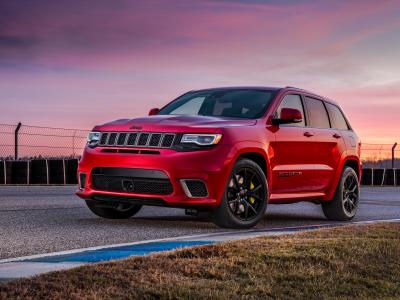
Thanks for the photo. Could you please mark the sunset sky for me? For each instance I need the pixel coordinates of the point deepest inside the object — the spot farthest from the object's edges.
(77, 63)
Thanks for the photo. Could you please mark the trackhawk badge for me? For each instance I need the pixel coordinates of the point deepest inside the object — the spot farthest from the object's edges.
(136, 127)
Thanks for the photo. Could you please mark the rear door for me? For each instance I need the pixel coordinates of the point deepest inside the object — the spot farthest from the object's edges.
(329, 144)
(339, 122)
(292, 160)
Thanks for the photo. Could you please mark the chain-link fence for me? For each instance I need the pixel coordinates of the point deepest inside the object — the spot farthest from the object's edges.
(45, 155)
(32, 142)
(380, 155)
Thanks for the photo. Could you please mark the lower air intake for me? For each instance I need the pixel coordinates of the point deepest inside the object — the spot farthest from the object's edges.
(194, 188)
(136, 181)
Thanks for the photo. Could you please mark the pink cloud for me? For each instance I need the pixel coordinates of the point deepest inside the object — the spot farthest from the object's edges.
(64, 64)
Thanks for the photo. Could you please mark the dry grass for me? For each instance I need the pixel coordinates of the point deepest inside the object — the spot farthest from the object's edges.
(347, 262)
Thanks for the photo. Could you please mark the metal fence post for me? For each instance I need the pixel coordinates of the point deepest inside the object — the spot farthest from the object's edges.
(27, 172)
(16, 140)
(73, 142)
(47, 172)
(64, 172)
(5, 171)
(394, 147)
(372, 176)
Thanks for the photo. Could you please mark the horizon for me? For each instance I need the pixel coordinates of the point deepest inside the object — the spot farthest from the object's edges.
(76, 64)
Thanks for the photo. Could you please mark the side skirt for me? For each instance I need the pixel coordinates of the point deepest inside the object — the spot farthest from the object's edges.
(295, 197)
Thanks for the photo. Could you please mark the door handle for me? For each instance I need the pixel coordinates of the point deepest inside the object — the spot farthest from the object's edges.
(308, 134)
(337, 136)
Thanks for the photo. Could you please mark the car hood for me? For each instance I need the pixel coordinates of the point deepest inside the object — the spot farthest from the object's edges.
(170, 123)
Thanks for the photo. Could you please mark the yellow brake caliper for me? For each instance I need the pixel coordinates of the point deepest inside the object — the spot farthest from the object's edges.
(252, 200)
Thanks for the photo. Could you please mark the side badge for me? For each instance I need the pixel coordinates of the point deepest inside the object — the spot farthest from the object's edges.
(289, 174)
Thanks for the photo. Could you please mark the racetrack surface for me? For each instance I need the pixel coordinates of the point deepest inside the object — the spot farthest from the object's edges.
(42, 219)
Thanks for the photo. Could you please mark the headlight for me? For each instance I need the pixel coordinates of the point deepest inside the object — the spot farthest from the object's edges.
(201, 139)
(93, 138)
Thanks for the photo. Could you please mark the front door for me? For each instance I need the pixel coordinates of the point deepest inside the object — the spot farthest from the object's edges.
(292, 162)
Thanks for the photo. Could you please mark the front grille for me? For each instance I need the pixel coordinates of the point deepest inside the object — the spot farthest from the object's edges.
(131, 139)
(103, 139)
(155, 140)
(195, 188)
(121, 139)
(112, 138)
(136, 139)
(138, 181)
(143, 138)
(168, 140)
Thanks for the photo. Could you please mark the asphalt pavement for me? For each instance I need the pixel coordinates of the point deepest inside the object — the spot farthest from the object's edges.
(42, 219)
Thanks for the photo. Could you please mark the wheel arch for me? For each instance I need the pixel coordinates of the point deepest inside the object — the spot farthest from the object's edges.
(257, 152)
(258, 158)
(346, 161)
(354, 164)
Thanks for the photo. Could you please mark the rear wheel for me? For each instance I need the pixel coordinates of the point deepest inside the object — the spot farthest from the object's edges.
(245, 198)
(120, 211)
(344, 205)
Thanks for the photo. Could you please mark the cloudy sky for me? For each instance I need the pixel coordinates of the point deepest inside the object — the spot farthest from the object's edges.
(76, 63)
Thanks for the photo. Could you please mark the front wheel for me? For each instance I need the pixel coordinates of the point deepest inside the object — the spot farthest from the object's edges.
(344, 205)
(245, 198)
(120, 211)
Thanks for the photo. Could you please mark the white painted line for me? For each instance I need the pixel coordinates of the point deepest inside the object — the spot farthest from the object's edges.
(66, 252)
(27, 269)
(217, 236)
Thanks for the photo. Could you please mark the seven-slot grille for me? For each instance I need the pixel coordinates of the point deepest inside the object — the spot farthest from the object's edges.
(137, 139)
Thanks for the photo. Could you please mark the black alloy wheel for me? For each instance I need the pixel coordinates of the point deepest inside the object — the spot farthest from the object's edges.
(245, 198)
(344, 205)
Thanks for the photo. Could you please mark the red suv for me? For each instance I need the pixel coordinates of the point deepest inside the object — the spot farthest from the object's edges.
(229, 151)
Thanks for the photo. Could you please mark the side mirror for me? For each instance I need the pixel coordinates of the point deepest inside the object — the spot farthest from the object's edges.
(154, 111)
(288, 115)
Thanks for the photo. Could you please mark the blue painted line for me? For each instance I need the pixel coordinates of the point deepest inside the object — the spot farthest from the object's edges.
(93, 256)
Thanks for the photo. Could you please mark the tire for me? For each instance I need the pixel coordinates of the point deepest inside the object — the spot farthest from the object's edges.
(343, 206)
(245, 198)
(121, 211)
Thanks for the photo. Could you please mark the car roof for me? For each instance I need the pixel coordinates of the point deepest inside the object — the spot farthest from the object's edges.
(275, 89)
(308, 93)
(239, 88)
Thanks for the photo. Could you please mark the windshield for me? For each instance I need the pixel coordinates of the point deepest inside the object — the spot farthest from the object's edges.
(230, 103)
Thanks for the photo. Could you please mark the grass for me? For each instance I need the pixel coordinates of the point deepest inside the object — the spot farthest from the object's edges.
(345, 262)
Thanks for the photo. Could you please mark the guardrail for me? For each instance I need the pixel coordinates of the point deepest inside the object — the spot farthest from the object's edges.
(64, 171)
(381, 177)
(39, 171)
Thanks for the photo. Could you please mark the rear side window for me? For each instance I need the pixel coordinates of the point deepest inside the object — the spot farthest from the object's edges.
(337, 119)
(292, 101)
(317, 113)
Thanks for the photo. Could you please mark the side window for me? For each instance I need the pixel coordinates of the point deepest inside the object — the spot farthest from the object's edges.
(191, 107)
(337, 119)
(317, 113)
(292, 101)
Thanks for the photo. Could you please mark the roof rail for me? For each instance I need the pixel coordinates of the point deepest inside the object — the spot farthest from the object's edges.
(293, 87)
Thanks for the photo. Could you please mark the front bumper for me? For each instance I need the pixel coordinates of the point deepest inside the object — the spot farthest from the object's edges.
(210, 166)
